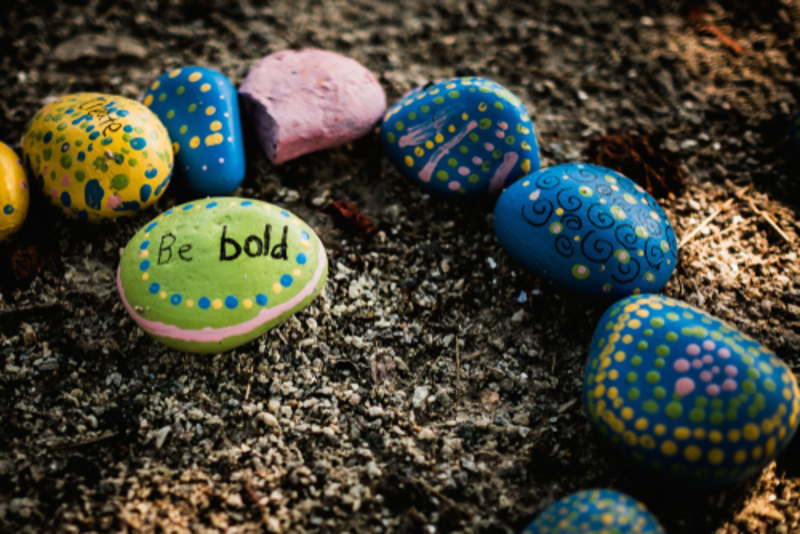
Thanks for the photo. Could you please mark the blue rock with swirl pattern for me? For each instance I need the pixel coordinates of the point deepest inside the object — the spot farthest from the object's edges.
(464, 137)
(589, 229)
(200, 109)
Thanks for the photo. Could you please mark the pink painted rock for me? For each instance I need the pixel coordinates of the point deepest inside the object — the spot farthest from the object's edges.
(310, 100)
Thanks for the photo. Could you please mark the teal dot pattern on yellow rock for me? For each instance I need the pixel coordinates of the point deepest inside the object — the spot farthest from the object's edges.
(98, 156)
(595, 512)
(685, 394)
(461, 137)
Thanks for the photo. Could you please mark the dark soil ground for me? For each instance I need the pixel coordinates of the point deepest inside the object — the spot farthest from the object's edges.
(435, 386)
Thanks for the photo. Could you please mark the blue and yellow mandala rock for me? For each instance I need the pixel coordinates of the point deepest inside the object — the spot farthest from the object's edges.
(685, 394)
(589, 229)
(595, 512)
(98, 156)
(200, 110)
(210, 275)
(461, 137)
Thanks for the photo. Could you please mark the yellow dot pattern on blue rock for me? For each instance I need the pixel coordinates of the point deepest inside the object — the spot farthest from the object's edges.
(199, 107)
(479, 136)
(687, 395)
(595, 512)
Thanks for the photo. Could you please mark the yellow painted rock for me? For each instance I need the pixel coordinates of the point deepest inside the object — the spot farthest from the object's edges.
(98, 156)
(13, 192)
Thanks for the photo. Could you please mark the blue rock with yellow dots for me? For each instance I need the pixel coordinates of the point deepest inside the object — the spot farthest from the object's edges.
(595, 512)
(685, 394)
(200, 109)
(589, 229)
(463, 137)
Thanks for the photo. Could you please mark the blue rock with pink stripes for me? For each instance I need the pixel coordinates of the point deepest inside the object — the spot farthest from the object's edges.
(463, 137)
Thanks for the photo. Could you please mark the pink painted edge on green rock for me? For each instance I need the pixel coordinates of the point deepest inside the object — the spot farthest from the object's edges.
(216, 335)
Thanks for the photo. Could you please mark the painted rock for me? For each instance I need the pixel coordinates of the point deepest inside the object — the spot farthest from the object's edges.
(308, 100)
(200, 109)
(465, 136)
(211, 275)
(13, 192)
(98, 156)
(589, 229)
(595, 512)
(685, 394)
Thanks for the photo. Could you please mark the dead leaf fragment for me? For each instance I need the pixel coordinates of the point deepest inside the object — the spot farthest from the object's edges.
(638, 158)
(347, 215)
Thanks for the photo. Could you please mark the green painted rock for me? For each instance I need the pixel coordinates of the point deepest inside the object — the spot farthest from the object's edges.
(210, 275)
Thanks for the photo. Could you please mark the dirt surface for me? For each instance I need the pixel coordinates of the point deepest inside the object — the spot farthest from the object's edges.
(435, 386)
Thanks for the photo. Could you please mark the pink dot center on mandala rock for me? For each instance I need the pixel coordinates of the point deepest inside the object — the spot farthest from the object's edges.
(709, 345)
(684, 386)
(682, 365)
(708, 358)
(453, 186)
(731, 370)
(476, 160)
(712, 390)
(693, 349)
(697, 364)
(724, 353)
(729, 385)
(706, 376)
(463, 171)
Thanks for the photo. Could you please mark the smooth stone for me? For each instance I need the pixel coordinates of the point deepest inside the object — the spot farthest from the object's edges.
(14, 196)
(686, 395)
(308, 100)
(598, 510)
(461, 137)
(589, 229)
(200, 110)
(98, 156)
(210, 275)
